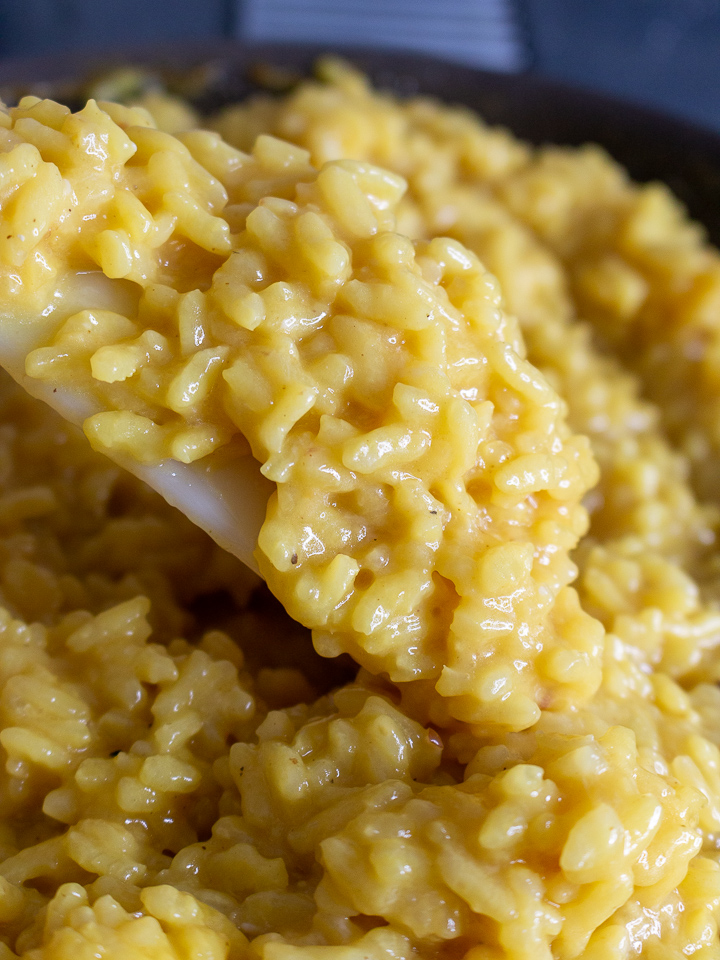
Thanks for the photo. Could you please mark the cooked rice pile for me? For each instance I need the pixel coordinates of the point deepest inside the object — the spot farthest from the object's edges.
(184, 776)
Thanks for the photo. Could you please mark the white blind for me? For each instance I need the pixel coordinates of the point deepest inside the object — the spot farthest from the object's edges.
(481, 33)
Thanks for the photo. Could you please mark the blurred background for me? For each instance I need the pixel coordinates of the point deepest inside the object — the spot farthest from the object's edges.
(663, 53)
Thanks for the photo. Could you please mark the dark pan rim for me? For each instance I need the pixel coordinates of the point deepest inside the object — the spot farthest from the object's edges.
(411, 72)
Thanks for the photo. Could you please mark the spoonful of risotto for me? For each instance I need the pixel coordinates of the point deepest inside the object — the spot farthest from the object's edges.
(347, 411)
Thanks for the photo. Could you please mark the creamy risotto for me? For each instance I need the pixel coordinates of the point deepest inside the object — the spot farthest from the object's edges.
(483, 380)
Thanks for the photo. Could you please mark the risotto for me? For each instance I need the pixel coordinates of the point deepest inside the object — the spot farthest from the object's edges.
(482, 381)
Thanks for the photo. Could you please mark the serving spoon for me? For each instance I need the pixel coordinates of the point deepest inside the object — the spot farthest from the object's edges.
(224, 493)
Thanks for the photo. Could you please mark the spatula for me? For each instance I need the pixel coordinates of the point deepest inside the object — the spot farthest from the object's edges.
(225, 495)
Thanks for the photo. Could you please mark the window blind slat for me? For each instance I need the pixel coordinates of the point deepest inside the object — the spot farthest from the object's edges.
(481, 33)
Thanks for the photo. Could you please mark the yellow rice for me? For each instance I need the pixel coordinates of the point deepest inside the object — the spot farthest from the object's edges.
(513, 766)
